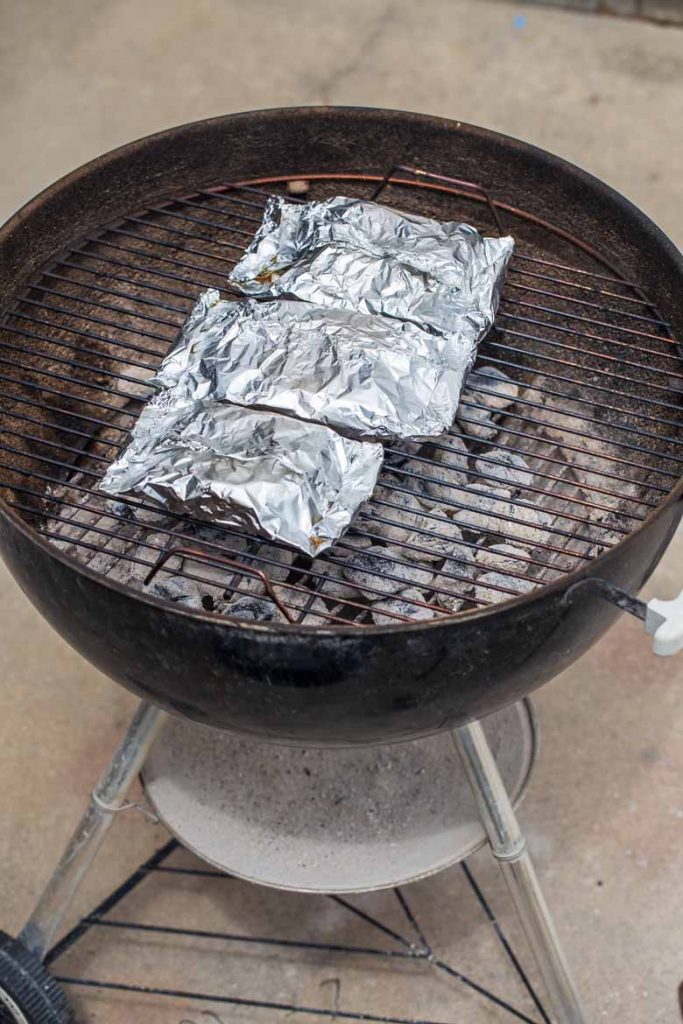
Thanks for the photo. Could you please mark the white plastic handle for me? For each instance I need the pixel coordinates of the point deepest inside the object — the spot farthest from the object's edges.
(664, 621)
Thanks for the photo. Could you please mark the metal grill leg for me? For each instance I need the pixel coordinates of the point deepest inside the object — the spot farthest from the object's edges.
(107, 798)
(510, 850)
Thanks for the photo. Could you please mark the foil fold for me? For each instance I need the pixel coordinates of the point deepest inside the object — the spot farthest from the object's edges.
(370, 377)
(269, 411)
(351, 253)
(296, 482)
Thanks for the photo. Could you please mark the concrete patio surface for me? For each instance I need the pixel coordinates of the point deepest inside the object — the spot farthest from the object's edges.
(604, 813)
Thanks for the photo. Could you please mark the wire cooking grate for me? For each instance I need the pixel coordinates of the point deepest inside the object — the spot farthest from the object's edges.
(595, 413)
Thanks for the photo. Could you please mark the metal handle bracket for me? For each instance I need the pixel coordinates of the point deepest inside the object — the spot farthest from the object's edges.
(664, 622)
(663, 619)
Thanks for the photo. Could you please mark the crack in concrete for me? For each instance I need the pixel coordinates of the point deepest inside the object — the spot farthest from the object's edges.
(658, 12)
(327, 86)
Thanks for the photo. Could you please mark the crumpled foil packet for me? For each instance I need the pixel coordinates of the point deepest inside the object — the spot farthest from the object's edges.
(369, 377)
(297, 482)
(215, 443)
(356, 254)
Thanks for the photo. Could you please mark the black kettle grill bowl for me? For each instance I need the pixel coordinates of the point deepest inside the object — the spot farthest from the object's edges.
(333, 684)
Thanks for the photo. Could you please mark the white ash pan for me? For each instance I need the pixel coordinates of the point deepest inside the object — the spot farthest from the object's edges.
(328, 820)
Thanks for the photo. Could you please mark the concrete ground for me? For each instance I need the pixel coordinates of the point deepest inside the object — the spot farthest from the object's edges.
(667, 11)
(604, 812)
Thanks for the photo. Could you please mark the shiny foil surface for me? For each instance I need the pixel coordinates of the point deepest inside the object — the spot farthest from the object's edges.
(370, 377)
(240, 432)
(361, 255)
(297, 482)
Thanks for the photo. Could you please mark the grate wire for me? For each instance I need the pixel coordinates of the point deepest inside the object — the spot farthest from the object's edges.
(92, 327)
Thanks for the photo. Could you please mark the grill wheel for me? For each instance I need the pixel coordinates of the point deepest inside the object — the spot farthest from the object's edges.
(28, 994)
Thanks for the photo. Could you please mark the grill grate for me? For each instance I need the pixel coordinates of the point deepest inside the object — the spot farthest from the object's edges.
(595, 414)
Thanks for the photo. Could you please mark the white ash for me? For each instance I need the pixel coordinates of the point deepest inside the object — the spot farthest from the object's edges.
(353, 541)
(487, 505)
(567, 464)
(497, 515)
(492, 388)
(276, 562)
(450, 603)
(136, 538)
(137, 387)
(178, 590)
(232, 578)
(508, 469)
(130, 318)
(418, 575)
(487, 394)
(456, 567)
(502, 558)
(313, 604)
(460, 565)
(403, 453)
(368, 570)
(80, 537)
(233, 581)
(449, 549)
(107, 562)
(415, 487)
(450, 446)
(523, 523)
(339, 591)
(429, 536)
(402, 604)
(442, 532)
(206, 534)
(160, 542)
(403, 520)
(253, 609)
(484, 588)
(529, 525)
(417, 547)
(477, 423)
(562, 431)
(451, 469)
(447, 589)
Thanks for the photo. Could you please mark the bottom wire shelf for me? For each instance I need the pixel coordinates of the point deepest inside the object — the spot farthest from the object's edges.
(271, 968)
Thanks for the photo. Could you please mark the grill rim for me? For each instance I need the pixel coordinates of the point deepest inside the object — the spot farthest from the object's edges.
(548, 590)
(128, 150)
(552, 161)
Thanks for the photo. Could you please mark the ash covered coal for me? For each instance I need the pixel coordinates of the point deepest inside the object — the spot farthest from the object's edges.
(477, 516)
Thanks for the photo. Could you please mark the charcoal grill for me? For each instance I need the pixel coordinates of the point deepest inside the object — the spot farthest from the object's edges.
(98, 274)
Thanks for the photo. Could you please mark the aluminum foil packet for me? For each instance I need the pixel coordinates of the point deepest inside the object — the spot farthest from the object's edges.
(297, 482)
(355, 254)
(369, 377)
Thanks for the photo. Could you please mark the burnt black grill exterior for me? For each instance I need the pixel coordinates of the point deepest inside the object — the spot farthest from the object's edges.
(337, 685)
(318, 686)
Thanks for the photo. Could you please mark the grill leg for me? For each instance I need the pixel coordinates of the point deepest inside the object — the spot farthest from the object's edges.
(510, 850)
(107, 798)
